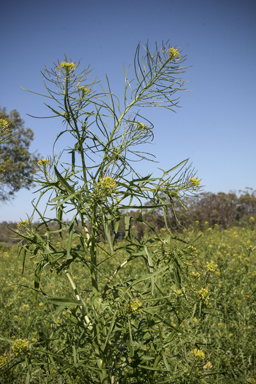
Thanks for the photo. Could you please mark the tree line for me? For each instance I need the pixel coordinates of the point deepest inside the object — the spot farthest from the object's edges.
(18, 167)
(203, 210)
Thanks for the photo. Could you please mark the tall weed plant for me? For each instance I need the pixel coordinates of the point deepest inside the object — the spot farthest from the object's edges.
(129, 318)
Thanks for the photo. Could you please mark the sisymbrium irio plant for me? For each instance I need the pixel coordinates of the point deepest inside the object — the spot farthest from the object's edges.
(116, 327)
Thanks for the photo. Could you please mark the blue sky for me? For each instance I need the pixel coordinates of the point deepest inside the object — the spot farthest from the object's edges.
(215, 127)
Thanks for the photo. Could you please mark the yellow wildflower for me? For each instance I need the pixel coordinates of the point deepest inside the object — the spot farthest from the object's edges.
(4, 359)
(43, 162)
(194, 274)
(194, 181)
(83, 89)
(211, 266)
(173, 53)
(252, 218)
(19, 346)
(199, 354)
(67, 66)
(191, 248)
(135, 305)
(108, 183)
(3, 123)
(204, 293)
(208, 365)
(23, 224)
(178, 292)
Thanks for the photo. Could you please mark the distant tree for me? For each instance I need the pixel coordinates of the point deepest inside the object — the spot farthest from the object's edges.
(17, 164)
(246, 204)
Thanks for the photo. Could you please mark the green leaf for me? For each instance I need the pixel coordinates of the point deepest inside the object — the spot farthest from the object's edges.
(68, 301)
(63, 182)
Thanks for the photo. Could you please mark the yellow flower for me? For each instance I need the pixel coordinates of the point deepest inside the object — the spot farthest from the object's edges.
(211, 266)
(43, 162)
(251, 380)
(67, 66)
(83, 89)
(3, 123)
(195, 274)
(204, 293)
(194, 181)
(208, 365)
(4, 359)
(23, 224)
(19, 346)
(252, 218)
(173, 53)
(199, 354)
(178, 292)
(195, 320)
(108, 183)
(135, 305)
(191, 248)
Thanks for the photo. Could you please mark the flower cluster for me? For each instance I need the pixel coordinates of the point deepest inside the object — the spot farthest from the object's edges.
(19, 346)
(67, 66)
(3, 123)
(4, 359)
(43, 161)
(83, 89)
(195, 182)
(23, 224)
(108, 183)
(208, 365)
(195, 274)
(204, 293)
(178, 292)
(192, 249)
(199, 354)
(211, 266)
(173, 53)
(135, 305)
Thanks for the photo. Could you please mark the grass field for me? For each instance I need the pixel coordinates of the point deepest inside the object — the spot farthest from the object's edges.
(207, 315)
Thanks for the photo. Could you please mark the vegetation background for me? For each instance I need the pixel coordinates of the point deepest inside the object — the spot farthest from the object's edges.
(174, 300)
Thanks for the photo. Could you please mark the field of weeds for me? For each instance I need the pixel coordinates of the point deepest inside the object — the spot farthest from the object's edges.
(202, 327)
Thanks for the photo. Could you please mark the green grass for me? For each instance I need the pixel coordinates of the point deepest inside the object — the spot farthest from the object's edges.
(209, 317)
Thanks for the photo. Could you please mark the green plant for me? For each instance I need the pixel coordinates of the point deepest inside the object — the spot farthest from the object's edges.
(207, 341)
(117, 328)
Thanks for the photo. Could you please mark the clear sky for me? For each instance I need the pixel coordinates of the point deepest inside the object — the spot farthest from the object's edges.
(215, 127)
